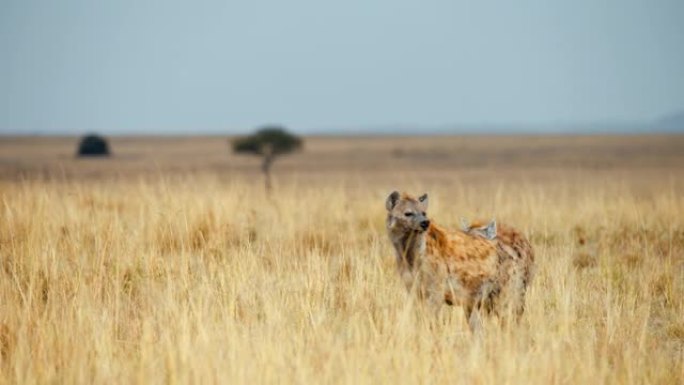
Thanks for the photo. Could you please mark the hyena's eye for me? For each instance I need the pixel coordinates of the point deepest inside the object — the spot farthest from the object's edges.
(408, 214)
(423, 213)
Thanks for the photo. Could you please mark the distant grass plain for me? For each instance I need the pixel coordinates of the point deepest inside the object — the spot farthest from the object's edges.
(168, 263)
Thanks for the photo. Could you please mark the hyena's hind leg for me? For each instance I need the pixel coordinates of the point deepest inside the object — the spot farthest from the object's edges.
(511, 304)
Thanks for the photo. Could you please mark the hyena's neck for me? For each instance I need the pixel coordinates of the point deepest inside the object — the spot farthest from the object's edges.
(409, 248)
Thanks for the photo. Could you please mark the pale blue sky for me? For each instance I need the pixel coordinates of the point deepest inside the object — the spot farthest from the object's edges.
(125, 66)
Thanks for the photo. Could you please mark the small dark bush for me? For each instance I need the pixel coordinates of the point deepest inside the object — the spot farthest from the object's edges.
(93, 145)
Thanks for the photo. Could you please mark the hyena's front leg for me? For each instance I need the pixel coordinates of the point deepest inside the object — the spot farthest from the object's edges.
(434, 295)
(474, 316)
(481, 303)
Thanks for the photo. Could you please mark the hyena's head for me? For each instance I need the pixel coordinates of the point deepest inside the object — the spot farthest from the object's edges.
(406, 213)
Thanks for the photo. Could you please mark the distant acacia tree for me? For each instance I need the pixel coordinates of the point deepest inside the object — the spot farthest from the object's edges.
(93, 145)
(269, 142)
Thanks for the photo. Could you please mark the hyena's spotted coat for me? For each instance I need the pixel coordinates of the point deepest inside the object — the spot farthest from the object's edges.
(459, 267)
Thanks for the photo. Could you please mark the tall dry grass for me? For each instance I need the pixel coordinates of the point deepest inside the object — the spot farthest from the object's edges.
(194, 279)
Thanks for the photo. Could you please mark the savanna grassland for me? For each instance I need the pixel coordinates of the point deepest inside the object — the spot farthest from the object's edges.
(168, 263)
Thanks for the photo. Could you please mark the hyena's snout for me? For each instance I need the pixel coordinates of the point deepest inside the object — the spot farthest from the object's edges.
(424, 224)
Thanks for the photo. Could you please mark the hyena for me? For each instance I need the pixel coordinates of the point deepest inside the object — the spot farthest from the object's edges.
(486, 231)
(460, 267)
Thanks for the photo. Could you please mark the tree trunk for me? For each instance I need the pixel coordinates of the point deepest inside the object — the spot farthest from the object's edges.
(266, 169)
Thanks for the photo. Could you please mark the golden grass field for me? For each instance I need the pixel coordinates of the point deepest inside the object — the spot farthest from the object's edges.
(169, 264)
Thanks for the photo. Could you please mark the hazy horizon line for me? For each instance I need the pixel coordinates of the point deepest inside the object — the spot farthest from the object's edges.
(386, 130)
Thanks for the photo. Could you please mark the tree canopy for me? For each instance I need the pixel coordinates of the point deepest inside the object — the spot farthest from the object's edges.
(268, 141)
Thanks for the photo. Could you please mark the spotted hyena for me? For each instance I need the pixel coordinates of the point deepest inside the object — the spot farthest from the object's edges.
(484, 230)
(485, 268)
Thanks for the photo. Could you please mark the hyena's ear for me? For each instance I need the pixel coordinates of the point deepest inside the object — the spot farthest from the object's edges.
(392, 200)
(465, 224)
(424, 200)
(490, 230)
